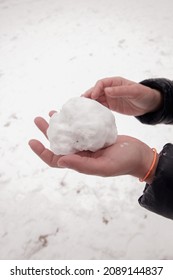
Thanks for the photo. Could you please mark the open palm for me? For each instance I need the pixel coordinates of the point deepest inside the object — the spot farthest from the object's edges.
(124, 157)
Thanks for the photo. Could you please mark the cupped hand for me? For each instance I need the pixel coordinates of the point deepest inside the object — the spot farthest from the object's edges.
(125, 96)
(127, 156)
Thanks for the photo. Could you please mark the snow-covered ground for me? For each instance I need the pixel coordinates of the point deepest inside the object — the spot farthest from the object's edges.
(51, 51)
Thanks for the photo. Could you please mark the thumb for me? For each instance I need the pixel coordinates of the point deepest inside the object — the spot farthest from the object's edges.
(118, 91)
(82, 164)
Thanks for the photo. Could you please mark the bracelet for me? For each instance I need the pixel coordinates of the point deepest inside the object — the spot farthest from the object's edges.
(151, 167)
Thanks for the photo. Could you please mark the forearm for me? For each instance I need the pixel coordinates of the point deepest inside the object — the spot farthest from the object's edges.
(163, 112)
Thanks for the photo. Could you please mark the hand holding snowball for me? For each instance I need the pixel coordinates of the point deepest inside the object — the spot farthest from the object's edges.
(127, 156)
(81, 125)
(124, 96)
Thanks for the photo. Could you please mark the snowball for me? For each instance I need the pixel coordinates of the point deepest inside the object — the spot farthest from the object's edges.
(82, 124)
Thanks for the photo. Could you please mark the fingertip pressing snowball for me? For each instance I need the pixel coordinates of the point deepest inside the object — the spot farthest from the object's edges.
(82, 124)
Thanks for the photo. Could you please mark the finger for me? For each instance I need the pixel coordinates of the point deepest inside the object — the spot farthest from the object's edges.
(122, 91)
(88, 93)
(45, 154)
(42, 125)
(82, 164)
(98, 90)
(99, 87)
(95, 92)
(51, 113)
(102, 100)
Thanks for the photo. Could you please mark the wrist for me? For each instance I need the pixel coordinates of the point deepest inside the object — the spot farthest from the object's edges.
(157, 100)
(150, 166)
(146, 164)
(150, 178)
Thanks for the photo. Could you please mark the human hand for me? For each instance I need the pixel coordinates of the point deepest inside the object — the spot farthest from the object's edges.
(127, 156)
(124, 96)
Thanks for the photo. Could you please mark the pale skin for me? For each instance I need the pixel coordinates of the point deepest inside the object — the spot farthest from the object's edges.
(128, 155)
(125, 96)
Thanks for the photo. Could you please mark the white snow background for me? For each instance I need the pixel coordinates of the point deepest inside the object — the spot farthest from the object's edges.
(51, 51)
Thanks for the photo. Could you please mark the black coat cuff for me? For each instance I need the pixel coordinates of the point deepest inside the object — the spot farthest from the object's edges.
(158, 196)
(165, 114)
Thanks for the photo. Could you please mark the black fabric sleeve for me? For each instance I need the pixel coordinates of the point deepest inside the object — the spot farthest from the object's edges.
(165, 113)
(158, 196)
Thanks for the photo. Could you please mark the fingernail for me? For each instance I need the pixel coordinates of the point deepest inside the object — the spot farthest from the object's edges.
(108, 90)
(62, 164)
(94, 96)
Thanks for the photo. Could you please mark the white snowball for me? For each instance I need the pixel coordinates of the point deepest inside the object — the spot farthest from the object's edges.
(82, 124)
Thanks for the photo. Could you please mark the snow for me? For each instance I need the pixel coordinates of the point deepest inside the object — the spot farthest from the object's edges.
(51, 51)
(82, 124)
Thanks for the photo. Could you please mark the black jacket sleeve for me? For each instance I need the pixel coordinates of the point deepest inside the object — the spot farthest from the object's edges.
(165, 114)
(158, 196)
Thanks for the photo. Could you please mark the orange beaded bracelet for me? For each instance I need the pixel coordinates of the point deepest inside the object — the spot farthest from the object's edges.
(151, 167)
